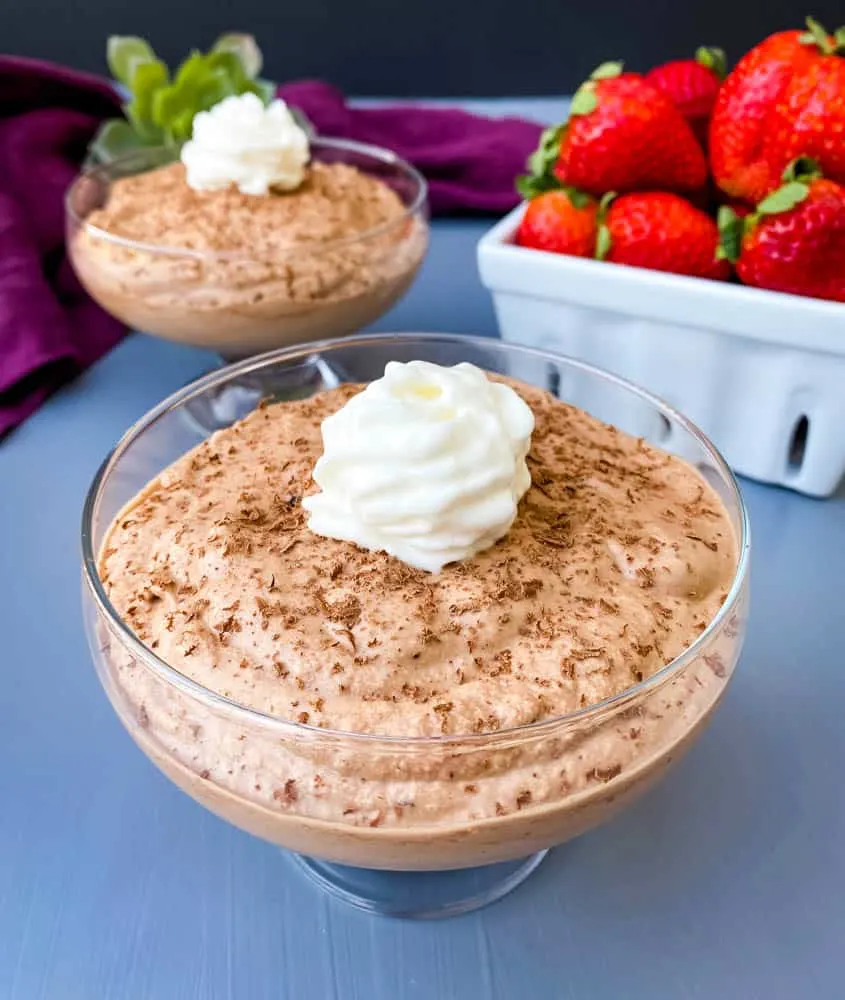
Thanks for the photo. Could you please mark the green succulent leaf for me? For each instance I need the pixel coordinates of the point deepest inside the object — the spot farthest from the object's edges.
(607, 70)
(215, 89)
(245, 48)
(181, 126)
(584, 101)
(147, 80)
(229, 64)
(784, 199)
(124, 53)
(266, 90)
(191, 71)
(115, 138)
(161, 109)
(166, 105)
(713, 58)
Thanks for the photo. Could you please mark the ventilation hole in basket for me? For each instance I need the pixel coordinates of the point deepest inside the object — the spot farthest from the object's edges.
(664, 428)
(798, 444)
(553, 380)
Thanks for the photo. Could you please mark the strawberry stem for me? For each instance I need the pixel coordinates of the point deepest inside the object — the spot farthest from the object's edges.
(605, 203)
(731, 231)
(604, 242)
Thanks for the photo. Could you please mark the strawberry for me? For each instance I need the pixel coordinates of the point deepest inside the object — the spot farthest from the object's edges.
(785, 99)
(562, 221)
(659, 231)
(692, 85)
(622, 135)
(794, 241)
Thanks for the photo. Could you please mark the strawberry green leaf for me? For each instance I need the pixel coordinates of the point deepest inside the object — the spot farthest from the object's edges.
(606, 71)
(124, 53)
(784, 199)
(579, 199)
(604, 242)
(584, 102)
(544, 157)
(804, 169)
(839, 37)
(245, 48)
(531, 185)
(714, 59)
(818, 36)
(731, 230)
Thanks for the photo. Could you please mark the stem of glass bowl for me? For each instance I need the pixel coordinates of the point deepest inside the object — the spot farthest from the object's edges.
(419, 895)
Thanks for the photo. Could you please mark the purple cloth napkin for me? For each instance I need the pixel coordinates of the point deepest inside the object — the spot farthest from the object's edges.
(470, 162)
(49, 329)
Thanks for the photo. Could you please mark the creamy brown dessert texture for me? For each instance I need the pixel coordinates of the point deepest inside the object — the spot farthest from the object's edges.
(254, 261)
(619, 558)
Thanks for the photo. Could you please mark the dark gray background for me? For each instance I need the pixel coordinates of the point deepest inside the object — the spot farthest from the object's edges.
(398, 48)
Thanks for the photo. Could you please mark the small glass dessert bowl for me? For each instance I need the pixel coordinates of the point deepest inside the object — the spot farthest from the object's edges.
(438, 822)
(241, 274)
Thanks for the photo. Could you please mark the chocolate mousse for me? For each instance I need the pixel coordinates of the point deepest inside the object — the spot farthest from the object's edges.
(240, 273)
(619, 557)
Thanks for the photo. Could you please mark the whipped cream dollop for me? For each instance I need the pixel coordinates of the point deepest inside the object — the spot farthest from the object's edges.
(427, 464)
(242, 142)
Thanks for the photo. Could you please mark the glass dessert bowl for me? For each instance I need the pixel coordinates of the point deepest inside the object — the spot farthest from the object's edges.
(424, 825)
(301, 278)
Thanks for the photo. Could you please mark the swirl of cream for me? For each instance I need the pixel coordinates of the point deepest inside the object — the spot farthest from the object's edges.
(427, 464)
(240, 141)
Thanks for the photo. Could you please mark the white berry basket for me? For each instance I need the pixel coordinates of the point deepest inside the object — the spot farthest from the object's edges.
(762, 373)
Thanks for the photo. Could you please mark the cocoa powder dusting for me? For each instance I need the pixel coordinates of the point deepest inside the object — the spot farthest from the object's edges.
(600, 581)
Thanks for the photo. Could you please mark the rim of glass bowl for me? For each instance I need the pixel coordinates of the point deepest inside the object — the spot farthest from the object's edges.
(516, 734)
(378, 154)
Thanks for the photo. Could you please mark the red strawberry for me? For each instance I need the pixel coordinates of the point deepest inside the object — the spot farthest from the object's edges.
(662, 232)
(795, 239)
(692, 85)
(622, 135)
(562, 221)
(785, 99)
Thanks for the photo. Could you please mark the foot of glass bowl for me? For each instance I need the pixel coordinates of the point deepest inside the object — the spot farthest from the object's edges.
(237, 397)
(419, 895)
